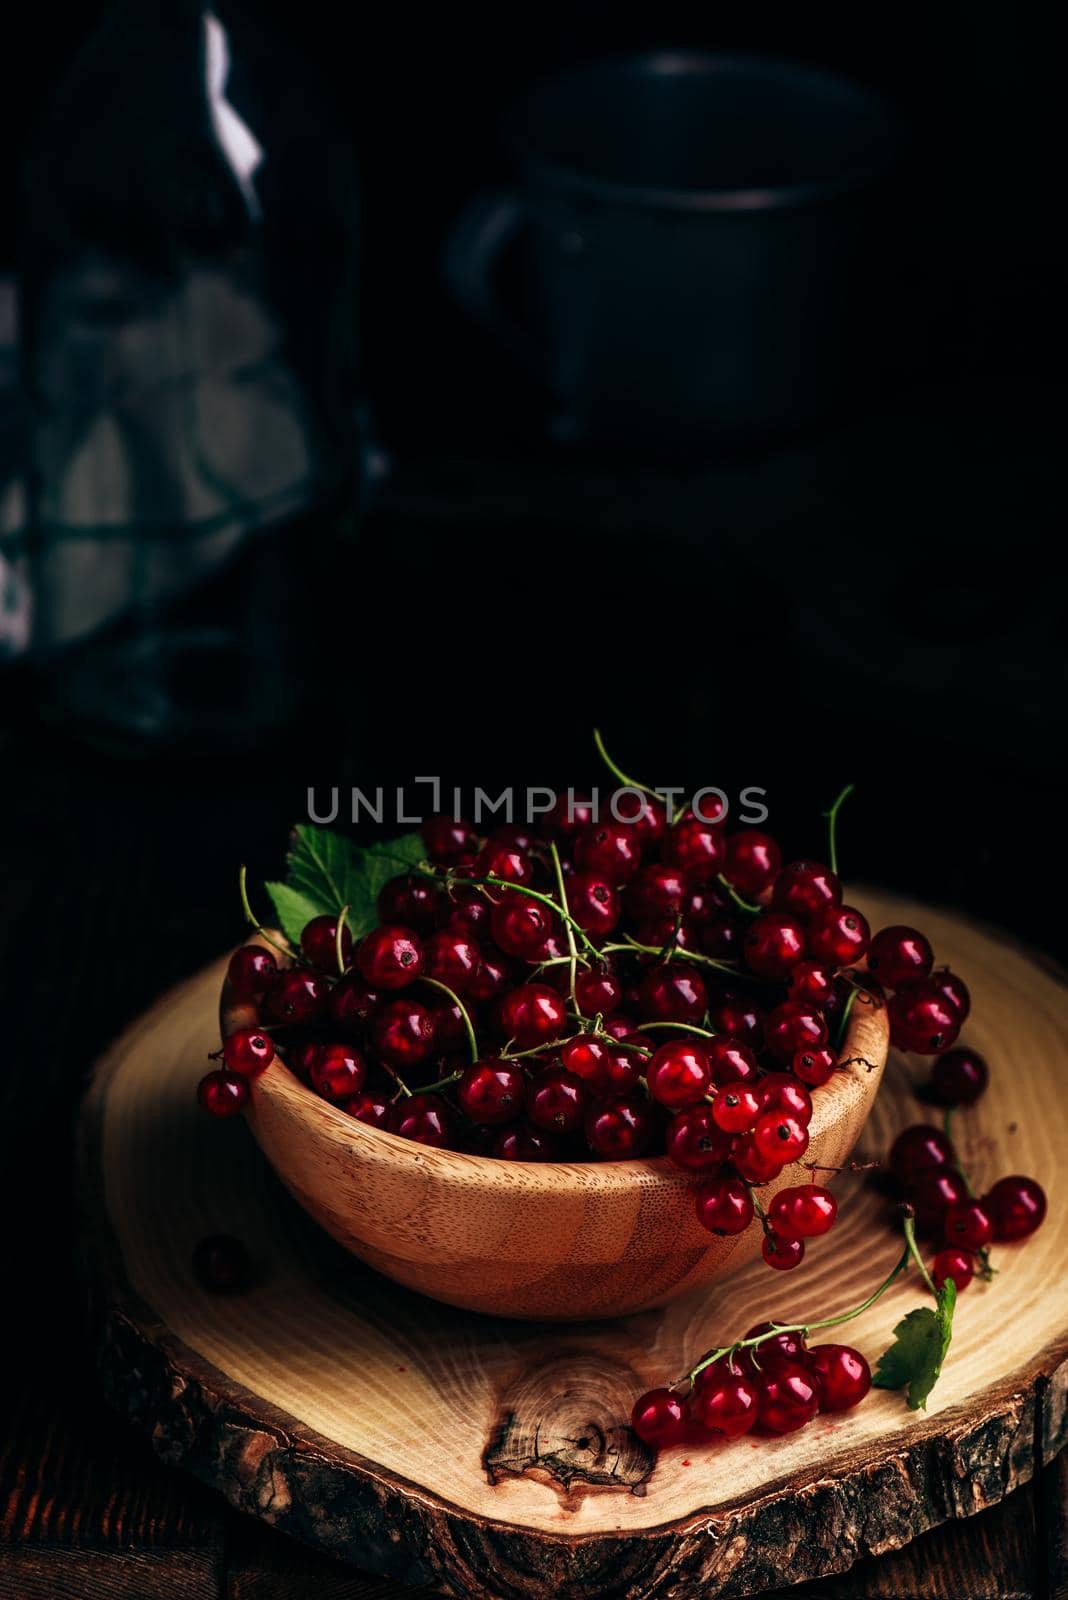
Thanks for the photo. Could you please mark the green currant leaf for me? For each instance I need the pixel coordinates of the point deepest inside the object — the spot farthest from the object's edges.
(326, 872)
(921, 1340)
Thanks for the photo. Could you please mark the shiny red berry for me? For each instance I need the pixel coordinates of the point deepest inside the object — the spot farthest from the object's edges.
(520, 1142)
(494, 976)
(814, 1068)
(794, 1025)
(403, 1033)
(451, 958)
(556, 1101)
(370, 1107)
(318, 944)
(805, 1212)
(721, 938)
(1017, 1206)
(390, 957)
(297, 995)
(813, 981)
(724, 1206)
(838, 935)
(533, 1014)
(751, 1163)
(955, 1264)
(899, 953)
(753, 859)
(736, 1107)
(466, 910)
(248, 1051)
(491, 1092)
(774, 1349)
(695, 1142)
(593, 902)
(968, 1225)
(959, 1077)
(520, 925)
(449, 841)
(503, 862)
(567, 816)
(656, 890)
(844, 1376)
(597, 990)
(696, 848)
(223, 1094)
(805, 887)
(645, 813)
(919, 1147)
(782, 1092)
(724, 1401)
(780, 1136)
(619, 1129)
(921, 1019)
(931, 1193)
(789, 1397)
(337, 1071)
(351, 1003)
(609, 850)
(251, 971)
(679, 1074)
(424, 1118)
(659, 1419)
(673, 992)
(781, 1253)
(953, 990)
(774, 943)
(411, 902)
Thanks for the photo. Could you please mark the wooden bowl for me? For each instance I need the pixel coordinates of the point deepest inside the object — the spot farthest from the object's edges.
(558, 1240)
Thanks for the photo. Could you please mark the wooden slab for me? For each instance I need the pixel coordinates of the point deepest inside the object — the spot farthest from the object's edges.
(492, 1457)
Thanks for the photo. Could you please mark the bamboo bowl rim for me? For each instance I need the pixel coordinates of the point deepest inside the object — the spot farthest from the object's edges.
(867, 1040)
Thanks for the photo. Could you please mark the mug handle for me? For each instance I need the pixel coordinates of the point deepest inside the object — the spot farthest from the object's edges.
(488, 223)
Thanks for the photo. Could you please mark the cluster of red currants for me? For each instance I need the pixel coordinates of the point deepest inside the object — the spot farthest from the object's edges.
(770, 1381)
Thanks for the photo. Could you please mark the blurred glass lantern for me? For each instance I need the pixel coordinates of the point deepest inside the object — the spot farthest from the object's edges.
(190, 365)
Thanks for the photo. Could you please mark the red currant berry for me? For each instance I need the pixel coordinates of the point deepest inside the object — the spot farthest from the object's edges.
(556, 1102)
(921, 1019)
(1017, 1206)
(337, 1071)
(411, 903)
(522, 1143)
(782, 1254)
(609, 850)
(619, 1025)
(520, 925)
(899, 953)
(449, 841)
(222, 1264)
(533, 1015)
(370, 1107)
(597, 991)
(805, 1212)
(299, 1059)
(296, 996)
(403, 1033)
(318, 944)
(390, 957)
(844, 1376)
(586, 1057)
(753, 860)
(467, 911)
(645, 813)
(450, 1027)
(786, 1347)
(814, 1067)
(593, 903)
(838, 935)
(968, 1225)
(789, 1397)
(695, 1142)
(724, 1401)
(724, 1206)
(736, 1107)
(953, 990)
(794, 1025)
(655, 891)
(567, 816)
(696, 848)
(918, 1148)
(730, 1061)
(751, 1163)
(624, 1067)
(659, 1419)
(252, 969)
(812, 981)
(351, 1003)
(782, 1093)
(491, 1092)
(223, 1094)
(679, 1075)
(931, 1193)
(424, 1118)
(959, 1077)
(665, 932)
(503, 861)
(805, 887)
(619, 1129)
(453, 959)
(673, 992)
(955, 1264)
(780, 1136)
(721, 938)
(774, 943)
(248, 1051)
(494, 976)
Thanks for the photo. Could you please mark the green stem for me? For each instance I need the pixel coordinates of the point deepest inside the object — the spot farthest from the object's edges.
(251, 919)
(743, 905)
(472, 1042)
(519, 888)
(986, 1270)
(912, 1249)
(847, 1009)
(684, 955)
(832, 825)
(687, 1027)
(442, 1083)
(628, 783)
(573, 956)
(338, 945)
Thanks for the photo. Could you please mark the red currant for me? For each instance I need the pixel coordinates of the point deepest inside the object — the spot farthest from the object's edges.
(556, 1102)
(739, 1019)
(619, 1129)
(730, 1061)
(452, 958)
(503, 861)
(369, 1107)
(659, 1419)
(609, 850)
(645, 813)
(491, 1092)
(736, 1107)
(813, 981)
(404, 1034)
(781, 1253)
(724, 1401)
(814, 1067)
(450, 1027)
(296, 996)
(1017, 1206)
(899, 953)
(955, 1264)
(223, 1094)
(390, 957)
(787, 1346)
(774, 943)
(593, 903)
(953, 990)
(248, 1051)
(919, 1147)
(721, 938)
(751, 1163)
(695, 1142)
(337, 1071)
(424, 1118)
(783, 1093)
(673, 992)
(523, 1143)
(467, 910)
(494, 976)
(655, 891)
(959, 1077)
(780, 1136)
(794, 1025)
(351, 1003)
(679, 1075)
(789, 1397)
(844, 1376)
(567, 816)
(318, 944)
(252, 970)
(597, 991)
(805, 1212)
(931, 1193)
(696, 848)
(921, 1019)
(968, 1224)
(753, 860)
(533, 1015)
(838, 935)
(805, 887)
(411, 903)
(520, 925)
(619, 1025)
(724, 1206)
(449, 840)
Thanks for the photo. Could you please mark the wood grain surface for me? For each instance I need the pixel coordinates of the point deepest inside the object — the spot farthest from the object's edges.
(477, 1454)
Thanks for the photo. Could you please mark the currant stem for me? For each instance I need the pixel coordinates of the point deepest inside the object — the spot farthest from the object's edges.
(687, 1027)
(442, 1083)
(520, 888)
(912, 1249)
(832, 826)
(686, 955)
(847, 1009)
(558, 869)
(251, 919)
(338, 946)
(986, 1270)
(628, 783)
(743, 905)
(472, 1042)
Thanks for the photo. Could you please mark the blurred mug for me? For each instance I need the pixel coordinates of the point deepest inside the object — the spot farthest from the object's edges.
(706, 237)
